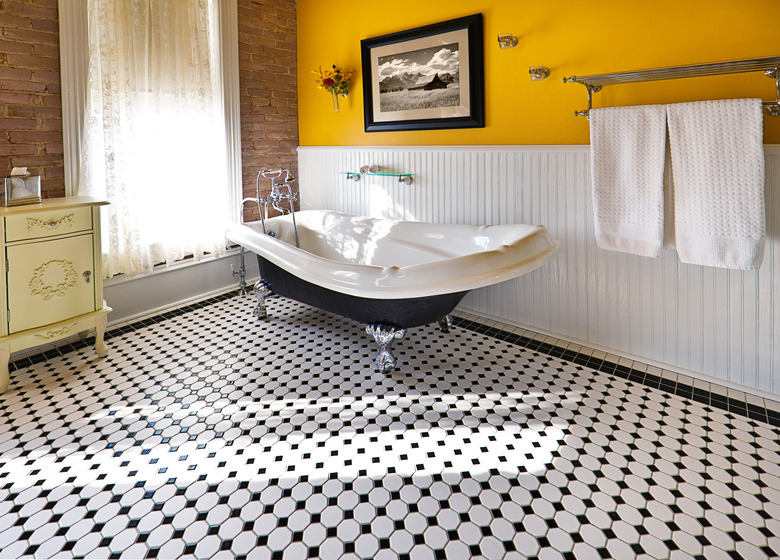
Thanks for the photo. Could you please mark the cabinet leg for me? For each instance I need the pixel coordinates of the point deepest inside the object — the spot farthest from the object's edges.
(5, 377)
(100, 331)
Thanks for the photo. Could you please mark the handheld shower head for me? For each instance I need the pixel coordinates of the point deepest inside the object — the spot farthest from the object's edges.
(274, 174)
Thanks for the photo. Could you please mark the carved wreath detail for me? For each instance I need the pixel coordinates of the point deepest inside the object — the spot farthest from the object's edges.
(51, 225)
(55, 332)
(61, 272)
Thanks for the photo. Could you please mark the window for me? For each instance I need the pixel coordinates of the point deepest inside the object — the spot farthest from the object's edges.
(151, 124)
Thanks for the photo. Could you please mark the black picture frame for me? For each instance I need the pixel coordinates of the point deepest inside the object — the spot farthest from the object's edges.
(390, 63)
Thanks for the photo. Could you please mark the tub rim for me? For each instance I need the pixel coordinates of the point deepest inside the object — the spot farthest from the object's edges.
(457, 274)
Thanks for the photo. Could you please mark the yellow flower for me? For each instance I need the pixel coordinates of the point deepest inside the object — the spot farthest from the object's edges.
(333, 81)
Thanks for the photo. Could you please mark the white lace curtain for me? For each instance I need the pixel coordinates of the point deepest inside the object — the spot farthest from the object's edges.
(154, 132)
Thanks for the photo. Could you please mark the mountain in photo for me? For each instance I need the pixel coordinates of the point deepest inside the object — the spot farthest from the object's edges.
(400, 82)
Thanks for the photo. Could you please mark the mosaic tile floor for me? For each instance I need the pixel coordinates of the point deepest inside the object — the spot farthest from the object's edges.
(207, 433)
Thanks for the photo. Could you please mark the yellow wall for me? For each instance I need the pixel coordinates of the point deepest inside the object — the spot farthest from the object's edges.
(568, 37)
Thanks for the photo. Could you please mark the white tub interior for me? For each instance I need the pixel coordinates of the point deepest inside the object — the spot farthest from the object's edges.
(374, 257)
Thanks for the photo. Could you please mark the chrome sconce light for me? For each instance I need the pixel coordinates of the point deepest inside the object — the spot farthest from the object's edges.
(538, 72)
(507, 41)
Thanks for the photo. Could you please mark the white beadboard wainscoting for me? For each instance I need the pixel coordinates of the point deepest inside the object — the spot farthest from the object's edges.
(713, 322)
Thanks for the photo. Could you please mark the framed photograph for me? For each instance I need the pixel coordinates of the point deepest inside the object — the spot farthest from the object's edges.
(426, 78)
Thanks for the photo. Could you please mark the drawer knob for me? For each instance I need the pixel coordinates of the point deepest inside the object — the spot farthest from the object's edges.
(66, 221)
(87, 274)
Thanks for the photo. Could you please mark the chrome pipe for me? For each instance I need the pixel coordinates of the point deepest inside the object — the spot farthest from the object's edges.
(241, 273)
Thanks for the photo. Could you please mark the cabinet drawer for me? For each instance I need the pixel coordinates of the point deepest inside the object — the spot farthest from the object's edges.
(38, 225)
(49, 281)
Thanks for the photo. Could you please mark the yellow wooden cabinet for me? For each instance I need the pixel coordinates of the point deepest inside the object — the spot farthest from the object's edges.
(52, 287)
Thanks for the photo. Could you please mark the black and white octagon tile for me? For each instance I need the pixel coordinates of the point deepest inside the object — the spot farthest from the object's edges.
(209, 434)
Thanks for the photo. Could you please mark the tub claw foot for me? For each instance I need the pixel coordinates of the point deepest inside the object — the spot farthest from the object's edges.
(385, 335)
(445, 323)
(262, 291)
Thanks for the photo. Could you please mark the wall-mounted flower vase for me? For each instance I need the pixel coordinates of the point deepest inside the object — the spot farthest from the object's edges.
(334, 81)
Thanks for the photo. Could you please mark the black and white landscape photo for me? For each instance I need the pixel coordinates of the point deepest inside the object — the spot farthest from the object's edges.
(423, 79)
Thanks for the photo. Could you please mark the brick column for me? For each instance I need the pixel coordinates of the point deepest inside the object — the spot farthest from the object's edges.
(268, 86)
(30, 102)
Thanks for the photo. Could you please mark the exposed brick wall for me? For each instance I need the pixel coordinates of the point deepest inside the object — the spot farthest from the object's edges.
(30, 103)
(31, 108)
(268, 84)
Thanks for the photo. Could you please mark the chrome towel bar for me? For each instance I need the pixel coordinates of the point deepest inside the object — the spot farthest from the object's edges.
(770, 66)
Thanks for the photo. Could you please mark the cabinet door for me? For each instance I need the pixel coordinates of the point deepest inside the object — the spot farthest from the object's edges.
(49, 281)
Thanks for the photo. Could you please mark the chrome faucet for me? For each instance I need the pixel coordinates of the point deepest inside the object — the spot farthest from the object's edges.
(280, 192)
(277, 196)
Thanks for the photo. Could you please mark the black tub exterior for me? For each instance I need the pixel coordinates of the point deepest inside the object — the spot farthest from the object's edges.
(400, 313)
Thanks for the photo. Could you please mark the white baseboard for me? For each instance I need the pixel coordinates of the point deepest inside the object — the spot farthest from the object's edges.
(140, 296)
(561, 340)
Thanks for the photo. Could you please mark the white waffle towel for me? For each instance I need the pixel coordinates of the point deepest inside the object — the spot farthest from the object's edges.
(627, 165)
(718, 182)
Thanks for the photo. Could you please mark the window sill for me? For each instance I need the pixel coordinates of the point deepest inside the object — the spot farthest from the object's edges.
(187, 262)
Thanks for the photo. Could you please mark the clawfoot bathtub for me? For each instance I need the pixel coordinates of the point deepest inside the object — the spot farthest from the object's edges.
(391, 275)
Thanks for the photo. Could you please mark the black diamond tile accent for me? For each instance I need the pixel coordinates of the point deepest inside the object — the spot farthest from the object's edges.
(207, 433)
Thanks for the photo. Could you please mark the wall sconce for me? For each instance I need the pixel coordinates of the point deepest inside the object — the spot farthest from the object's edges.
(507, 41)
(538, 72)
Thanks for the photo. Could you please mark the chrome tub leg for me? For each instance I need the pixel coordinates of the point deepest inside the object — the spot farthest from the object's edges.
(262, 291)
(445, 323)
(385, 335)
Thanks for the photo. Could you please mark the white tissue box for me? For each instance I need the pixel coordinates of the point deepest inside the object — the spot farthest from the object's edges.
(20, 189)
